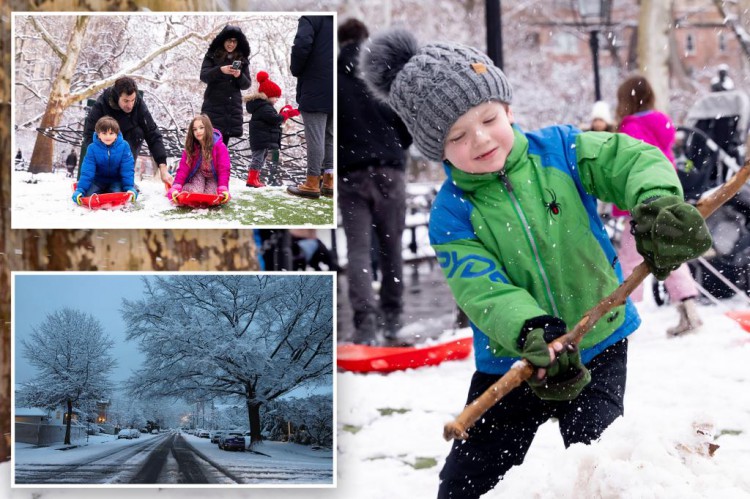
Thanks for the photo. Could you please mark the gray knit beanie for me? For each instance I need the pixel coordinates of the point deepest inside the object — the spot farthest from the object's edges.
(432, 86)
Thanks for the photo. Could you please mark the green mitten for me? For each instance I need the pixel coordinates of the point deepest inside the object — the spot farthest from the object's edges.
(668, 232)
(566, 376)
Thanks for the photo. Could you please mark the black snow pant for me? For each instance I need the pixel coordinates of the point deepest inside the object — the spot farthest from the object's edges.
(501, 438)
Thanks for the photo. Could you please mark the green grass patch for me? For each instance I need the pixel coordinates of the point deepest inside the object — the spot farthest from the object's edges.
(351, 428)
(423, 463)
(733, 433)
(389, 411)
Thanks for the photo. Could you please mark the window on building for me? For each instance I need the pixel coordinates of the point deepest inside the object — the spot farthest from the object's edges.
(722, 42)
(564, 43)
(689, 44)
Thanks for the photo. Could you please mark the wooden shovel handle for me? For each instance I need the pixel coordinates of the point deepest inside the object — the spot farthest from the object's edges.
(522, 370)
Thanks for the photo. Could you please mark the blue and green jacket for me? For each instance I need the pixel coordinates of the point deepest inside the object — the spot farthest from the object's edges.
(527, 242)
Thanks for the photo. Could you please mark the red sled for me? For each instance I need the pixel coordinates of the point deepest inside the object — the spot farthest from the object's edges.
(741, 316)
(365, 359)
(104, 201)
(198, 199)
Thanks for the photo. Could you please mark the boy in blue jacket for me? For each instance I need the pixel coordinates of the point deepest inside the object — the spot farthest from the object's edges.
(516, 232)
(108, 165)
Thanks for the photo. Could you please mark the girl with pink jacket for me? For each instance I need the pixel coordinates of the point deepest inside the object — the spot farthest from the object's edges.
(639, 119)
(204, 166)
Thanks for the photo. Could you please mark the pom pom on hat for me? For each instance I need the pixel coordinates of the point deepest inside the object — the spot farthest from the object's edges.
(384, 57)
(267, 86)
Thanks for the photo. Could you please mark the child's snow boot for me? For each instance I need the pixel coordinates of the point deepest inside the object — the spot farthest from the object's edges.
(253, 179)
(689, 319)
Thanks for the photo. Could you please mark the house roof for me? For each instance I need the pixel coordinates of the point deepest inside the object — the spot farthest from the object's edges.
(30, 411)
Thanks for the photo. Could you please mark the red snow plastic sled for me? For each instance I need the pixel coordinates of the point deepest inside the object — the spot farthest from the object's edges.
(364, 359)
(741, 316)
(104, 201)
(198, 199)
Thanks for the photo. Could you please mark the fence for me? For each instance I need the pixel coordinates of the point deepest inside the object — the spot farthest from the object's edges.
(46, 434)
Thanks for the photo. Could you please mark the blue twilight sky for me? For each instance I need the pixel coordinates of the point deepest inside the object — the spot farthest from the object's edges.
(98, 294)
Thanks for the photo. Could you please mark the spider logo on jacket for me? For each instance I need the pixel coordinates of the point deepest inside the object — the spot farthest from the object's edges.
(553, 207)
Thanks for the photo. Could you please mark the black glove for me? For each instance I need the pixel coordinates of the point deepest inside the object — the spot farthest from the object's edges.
(566, 375)
(668, 232)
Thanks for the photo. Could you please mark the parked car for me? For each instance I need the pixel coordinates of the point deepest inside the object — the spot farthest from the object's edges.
(154, 431)
(215, 435)
(232, 440)
(203, 434)
(128, 433)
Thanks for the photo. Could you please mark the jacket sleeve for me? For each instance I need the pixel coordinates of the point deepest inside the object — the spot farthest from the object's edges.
(244, 80)
(183, 170)
(271, 117)
(153, 136)
(127, 168)
(88, 172)
(222, 164)
(619, 169)
(477, 278)
(210, 70)
(302, 47)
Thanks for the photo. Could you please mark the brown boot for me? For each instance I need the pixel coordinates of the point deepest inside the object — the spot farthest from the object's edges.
(689, 319)
(327, 188)
(310, 189)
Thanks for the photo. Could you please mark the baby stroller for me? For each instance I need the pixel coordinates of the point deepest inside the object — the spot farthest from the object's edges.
(708, 150)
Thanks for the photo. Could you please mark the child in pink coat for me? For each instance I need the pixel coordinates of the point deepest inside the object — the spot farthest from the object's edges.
(639, 119)
(204, 166)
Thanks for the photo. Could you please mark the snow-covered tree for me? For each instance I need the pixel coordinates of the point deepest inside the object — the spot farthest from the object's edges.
(250, 338)
(72, 355)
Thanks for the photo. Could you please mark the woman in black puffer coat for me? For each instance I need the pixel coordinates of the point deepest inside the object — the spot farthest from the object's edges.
(222, 101)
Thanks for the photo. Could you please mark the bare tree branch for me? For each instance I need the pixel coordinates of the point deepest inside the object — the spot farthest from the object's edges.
(57, 49)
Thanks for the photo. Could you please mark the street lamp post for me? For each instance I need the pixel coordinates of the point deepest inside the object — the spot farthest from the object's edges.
(595, 13)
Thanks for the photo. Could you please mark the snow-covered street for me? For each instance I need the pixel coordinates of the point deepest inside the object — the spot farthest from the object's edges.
(390, 443)
(170, 458)
(46, 203)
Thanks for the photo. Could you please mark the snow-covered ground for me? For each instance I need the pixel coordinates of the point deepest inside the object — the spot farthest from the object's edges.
(390, 427)
(43, 201)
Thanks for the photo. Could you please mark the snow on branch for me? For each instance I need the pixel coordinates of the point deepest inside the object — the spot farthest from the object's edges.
(57, 49)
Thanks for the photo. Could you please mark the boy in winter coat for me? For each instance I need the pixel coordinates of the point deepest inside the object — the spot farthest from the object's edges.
(265, 125)
(108, 165)
(516, 231)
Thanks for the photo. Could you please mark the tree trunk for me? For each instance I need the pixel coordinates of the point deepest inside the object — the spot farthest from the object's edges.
(5, 169)
(67, 426)
(653, 47)
(253, 413)
(59, 98)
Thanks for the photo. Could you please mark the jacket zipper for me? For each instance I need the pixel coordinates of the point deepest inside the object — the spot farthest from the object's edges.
(517, 207)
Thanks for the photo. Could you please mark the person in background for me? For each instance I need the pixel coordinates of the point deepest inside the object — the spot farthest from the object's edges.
(108, 165)
(601, 118)
(123, 102)
(638, 118)
(204, 166)
(226, 72)
(70, 162)
(309, 251)
(722, 81)
(372, 143)
(312, 64)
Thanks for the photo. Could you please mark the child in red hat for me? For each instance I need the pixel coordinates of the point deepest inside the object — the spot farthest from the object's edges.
(265, 125)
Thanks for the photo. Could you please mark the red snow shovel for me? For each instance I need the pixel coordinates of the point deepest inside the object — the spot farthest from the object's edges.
(522, 370)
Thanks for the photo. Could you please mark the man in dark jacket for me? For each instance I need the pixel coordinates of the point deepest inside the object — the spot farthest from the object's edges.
(312, 64)
(123, 102)
(372, 192)
(70, 162)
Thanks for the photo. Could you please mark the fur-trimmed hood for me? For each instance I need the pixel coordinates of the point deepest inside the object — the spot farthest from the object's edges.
(230, 31)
